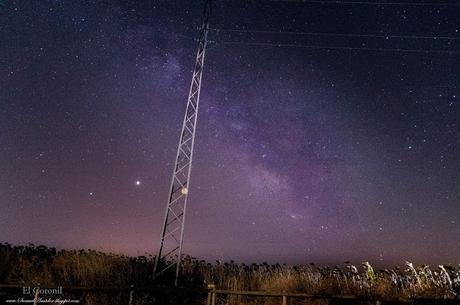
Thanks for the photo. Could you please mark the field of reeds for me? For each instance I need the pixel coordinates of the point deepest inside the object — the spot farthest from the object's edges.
(29, 265)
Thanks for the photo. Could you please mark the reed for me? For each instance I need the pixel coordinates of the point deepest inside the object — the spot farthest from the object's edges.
(39, 264)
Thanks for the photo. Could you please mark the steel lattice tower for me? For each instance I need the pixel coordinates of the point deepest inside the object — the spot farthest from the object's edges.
(172, 232)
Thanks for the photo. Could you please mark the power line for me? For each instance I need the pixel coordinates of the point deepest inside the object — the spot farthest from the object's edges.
(337, 34)
(373, 3)
(341, 47)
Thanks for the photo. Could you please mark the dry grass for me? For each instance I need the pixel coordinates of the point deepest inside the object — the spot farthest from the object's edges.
(439, 282)
(39, 264)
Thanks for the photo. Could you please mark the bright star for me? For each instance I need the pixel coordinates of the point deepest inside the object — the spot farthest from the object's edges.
(138, 182)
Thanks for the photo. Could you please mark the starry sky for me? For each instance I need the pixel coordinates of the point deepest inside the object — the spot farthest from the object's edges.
(302, 154)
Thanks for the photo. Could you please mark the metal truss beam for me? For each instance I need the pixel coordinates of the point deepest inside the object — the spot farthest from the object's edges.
(172, 232)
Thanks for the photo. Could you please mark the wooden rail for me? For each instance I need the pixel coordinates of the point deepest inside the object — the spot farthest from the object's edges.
(286, 297)
(213, 293)
(130, 291)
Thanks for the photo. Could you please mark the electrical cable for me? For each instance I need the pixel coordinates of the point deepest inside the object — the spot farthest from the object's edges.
(373, 3)
(449, 52)
(337, 34)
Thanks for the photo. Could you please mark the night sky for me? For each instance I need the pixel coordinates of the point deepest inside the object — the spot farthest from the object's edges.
(302, 154)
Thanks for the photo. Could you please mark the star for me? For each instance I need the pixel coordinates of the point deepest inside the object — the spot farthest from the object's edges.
(289, 137)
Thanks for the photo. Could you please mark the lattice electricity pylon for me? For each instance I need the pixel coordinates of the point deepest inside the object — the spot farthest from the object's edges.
(172, 232)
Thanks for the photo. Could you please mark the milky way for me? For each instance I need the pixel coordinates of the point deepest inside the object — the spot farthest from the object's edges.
(302, 155)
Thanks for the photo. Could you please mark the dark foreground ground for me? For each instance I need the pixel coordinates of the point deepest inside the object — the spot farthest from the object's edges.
(111, 278)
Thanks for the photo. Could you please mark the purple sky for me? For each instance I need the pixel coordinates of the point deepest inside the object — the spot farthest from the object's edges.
(301, 155)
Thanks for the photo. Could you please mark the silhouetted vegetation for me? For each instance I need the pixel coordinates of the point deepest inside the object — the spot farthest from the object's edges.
(29, 265)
